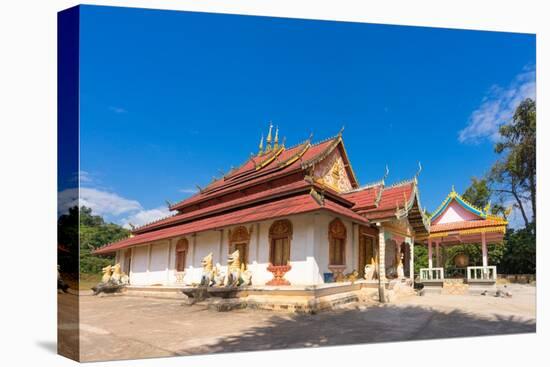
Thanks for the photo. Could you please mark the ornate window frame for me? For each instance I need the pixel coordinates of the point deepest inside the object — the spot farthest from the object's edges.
(337, 230)
(280, 229)
(181, 246)
(240, 235)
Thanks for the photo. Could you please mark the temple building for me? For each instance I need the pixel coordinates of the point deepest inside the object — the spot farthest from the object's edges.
(298, 217)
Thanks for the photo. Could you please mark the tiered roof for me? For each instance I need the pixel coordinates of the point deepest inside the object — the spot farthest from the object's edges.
(278, 182)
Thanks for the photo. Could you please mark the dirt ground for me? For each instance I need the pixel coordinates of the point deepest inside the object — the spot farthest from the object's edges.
(123, 327)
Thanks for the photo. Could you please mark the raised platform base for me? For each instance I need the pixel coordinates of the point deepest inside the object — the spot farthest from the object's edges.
(299, 299)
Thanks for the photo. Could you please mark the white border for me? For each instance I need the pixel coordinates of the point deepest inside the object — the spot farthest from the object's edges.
(28, 178)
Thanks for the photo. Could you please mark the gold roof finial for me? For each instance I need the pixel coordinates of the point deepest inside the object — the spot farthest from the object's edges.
(453, 192)
(487, 207)
(261, 146)
(268, 140)
(276, 141)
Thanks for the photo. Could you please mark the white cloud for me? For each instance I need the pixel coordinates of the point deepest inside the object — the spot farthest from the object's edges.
(497, 108)
(110, 205)
(85, 177)
(101, 202)
(145, 216)
(66, 199)
(107, 203)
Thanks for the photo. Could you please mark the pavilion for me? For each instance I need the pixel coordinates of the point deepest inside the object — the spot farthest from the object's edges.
(456, 222)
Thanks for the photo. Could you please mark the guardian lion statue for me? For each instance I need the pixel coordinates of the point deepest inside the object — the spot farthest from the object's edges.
(208, 271)
(118, 276)
(236, 273)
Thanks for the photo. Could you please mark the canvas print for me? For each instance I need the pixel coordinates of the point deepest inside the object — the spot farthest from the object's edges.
(239, 183)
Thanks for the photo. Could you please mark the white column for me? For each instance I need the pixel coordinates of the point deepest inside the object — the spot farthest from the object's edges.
(430, 253)
(168, 261)
(381, 264)
(194, 248)
(484, 249)
(220, 247)
(381, 254)
(257, 242)
(132, 257)
(354, 245)
(149, 248)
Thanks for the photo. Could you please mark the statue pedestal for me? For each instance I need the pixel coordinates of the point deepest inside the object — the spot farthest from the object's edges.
(279, 272)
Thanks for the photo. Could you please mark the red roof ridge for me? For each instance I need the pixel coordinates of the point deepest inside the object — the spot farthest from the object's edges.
(271, 210)
(365, 187)
(402, 183)
(233, 204)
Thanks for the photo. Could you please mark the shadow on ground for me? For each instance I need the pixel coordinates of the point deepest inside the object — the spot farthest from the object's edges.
(373, 325)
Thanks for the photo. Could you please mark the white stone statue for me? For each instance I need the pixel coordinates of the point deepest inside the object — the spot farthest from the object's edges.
(118, 276)
(370, 269)
(106, 274)
(400, 270)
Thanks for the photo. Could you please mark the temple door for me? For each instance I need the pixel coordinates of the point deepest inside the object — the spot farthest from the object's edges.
(127, 261)
(366, 253)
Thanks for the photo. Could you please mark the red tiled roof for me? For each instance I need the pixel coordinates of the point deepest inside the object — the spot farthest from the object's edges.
(391, 198)
(238, 180)
(395, 196)
(248, 199)
(271, 210)
(364, 198)
(464, 225)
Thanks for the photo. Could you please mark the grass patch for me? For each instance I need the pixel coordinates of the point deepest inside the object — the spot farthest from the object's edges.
(88, 280)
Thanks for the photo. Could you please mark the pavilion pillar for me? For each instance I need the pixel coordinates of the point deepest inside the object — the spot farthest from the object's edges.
(411, 257)
(437, 262)
(381, 254)
(484, 250)
(430, 264)
(381, 264)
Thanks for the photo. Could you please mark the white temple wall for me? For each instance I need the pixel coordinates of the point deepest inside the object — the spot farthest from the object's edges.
(309, 253)
(321, 230)
(138, 274)
(200, 246)
(158, 263)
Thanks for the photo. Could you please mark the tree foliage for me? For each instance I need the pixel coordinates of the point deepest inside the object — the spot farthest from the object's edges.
(514, 175)
(94, 233)
(81, 227)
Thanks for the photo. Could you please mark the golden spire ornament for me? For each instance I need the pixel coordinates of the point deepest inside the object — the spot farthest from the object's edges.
(276, 141)
(261, 146)
(268, 140)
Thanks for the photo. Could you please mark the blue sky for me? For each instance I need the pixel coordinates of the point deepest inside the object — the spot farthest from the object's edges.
(168, 99)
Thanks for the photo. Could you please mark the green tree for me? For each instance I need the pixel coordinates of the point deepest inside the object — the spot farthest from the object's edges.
(520, 252)
(479, 193)
(514, 175)
(420, 257)
(94, 233)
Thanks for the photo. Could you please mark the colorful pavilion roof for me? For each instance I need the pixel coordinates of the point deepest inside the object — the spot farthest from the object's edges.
(453, 195)
(457, 216)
